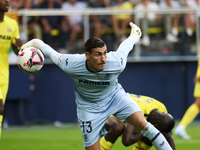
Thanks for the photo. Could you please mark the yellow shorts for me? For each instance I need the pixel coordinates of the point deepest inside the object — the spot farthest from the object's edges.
(3, 92)
(197, 90)
(141, 146)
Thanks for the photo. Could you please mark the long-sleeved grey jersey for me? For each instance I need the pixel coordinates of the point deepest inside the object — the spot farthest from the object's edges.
(92, 89)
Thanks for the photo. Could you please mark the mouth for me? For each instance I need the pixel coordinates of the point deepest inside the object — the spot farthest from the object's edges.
(7, 6)
(102, 64)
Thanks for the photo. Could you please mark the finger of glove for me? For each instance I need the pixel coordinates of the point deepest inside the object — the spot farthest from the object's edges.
(133, 25)
(28, 44)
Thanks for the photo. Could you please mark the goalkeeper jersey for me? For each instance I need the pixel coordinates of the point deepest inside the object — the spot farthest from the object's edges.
(148, 104)
(8, 32)
(93, 89)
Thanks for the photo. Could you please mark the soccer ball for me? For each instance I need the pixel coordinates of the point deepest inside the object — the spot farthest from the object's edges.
(30, 60)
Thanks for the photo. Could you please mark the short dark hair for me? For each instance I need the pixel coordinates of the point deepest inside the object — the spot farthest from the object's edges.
(92, 43)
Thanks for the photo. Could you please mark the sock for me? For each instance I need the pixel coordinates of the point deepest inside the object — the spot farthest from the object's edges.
(1, 120)
(105, 145)
(0, 129)
(189, 31)
(156, 138)
(174, 31)
(190, 115)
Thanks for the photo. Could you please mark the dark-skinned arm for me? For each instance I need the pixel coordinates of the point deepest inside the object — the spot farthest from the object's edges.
(17, 45)
(130, 136)
(170, 139)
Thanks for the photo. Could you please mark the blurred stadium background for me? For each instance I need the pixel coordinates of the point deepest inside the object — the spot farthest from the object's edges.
(164, 71)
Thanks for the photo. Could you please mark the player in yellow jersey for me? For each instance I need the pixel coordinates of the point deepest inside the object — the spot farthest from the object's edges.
(153, 111)
(192, 111)
(9, 36)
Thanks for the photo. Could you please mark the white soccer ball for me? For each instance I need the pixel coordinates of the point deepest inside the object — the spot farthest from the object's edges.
(30, 60)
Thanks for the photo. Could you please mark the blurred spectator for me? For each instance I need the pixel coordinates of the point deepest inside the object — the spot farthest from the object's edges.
(152, 19)
(100, 22)
(16, 4)
(52, 24)
(190, 21)
(120, 22)
(75, 22)
(33, 25)
(172, 4)
(134, 2)
(36, 3)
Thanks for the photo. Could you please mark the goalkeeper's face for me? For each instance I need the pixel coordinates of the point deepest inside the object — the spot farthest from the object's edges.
(96, 60)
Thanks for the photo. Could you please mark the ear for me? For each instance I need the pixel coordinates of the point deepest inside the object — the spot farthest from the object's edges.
(87, 54)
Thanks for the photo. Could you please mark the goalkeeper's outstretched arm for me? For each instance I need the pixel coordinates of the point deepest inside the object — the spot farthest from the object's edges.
(46, 49)
(127, 45)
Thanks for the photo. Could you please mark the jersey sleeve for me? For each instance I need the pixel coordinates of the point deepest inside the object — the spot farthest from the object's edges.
(126, 46)
(122, 52)
(60, 60)
(66, 62)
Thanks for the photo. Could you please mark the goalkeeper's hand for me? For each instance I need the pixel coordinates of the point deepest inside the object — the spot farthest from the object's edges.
(37, 43)
(135, 32)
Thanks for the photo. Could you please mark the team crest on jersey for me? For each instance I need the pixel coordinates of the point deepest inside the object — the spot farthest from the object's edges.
(108, 76)
(9, 30)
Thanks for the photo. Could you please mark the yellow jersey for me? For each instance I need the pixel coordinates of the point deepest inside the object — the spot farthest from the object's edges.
(8, 32)
(148, 104)
(124, 6)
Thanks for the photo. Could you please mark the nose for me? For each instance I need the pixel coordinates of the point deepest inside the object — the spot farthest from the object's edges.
(103, 58)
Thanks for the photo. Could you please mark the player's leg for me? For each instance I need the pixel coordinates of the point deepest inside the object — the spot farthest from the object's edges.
(130, 112)
(189, 115)
(95, 146)
(149, 131)
(91, 122)
(3, 93)
(114, 129)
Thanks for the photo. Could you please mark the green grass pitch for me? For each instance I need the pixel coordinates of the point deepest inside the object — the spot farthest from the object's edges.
(68, 137)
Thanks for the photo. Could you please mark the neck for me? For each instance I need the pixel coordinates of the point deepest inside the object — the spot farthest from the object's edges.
(89, 66)
(1, 16)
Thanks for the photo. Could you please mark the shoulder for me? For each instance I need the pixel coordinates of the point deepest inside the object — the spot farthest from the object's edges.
(113, 56)
(10, 20)
(73, 59)
(7, 18)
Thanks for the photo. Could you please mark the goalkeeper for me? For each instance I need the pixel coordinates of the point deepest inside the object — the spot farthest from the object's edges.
(154, 111)
(97, 91)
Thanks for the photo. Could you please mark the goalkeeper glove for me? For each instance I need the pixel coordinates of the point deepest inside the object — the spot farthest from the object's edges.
(135, 32)
(37, 43)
